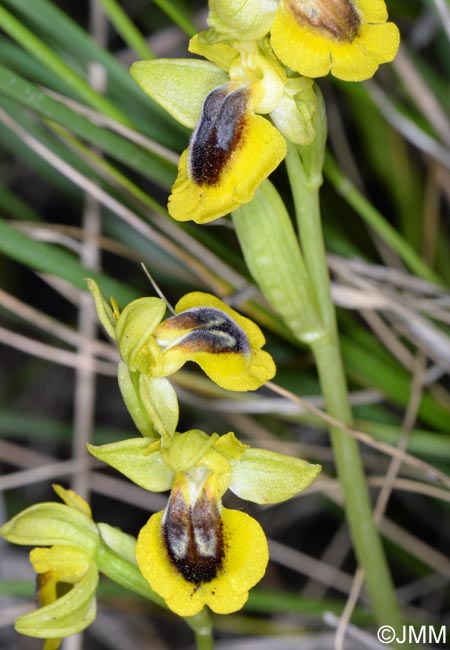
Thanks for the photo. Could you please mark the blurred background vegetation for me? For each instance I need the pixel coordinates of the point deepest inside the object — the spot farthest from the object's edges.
(86, 164)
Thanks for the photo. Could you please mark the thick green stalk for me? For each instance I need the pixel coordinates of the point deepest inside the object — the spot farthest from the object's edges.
(304, 171)
(126, 573)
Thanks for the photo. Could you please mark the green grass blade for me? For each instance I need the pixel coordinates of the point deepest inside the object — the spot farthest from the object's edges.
(376, 221)
(48, 258)
(151, 165)
(127, 29)
(39, 49)
(177, 16)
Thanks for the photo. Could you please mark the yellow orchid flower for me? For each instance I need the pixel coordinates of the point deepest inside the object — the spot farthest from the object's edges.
(232, 150)
(350, 38)
(227, 102)
(226, 345)
(196, 553)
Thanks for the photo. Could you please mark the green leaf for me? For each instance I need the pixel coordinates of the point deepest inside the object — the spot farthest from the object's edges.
(153, 165)
(51, 259)
(271, 251)
(263, 476)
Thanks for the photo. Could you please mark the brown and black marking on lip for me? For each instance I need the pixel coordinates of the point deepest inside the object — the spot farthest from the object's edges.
(203, 329)
(218, 134)
(193, 537)
(337, 19)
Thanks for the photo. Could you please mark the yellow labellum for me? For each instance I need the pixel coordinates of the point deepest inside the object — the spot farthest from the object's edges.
(244, 564)
(226, 345)
(349, 38)
(231, 152)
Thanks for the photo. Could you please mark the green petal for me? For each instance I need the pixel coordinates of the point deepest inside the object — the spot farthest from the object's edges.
(131, 458)
(104, 311)
(47, 524)
(179, 85)
(68, 615)
(264, 476)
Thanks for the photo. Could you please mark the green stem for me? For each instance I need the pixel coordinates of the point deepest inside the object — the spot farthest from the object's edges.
(202, 626)
(305, 179)
(127, 574)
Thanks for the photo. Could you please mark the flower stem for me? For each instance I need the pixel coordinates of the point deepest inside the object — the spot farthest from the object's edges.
(202, 626)
(305, 178)
(125, 573)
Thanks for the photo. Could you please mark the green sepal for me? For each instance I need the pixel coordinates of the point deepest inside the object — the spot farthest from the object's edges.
(263, 476)
(104, 310)
(67, 615)
(151, 401)
(134, 329)
(160, 402)
(49, 524)
(119, 542)
(129, 388)
(268, 241)
(179, 85)
(244, 21)
(137, 460)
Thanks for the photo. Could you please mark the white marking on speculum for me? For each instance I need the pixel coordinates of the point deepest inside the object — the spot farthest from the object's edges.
(205, 547)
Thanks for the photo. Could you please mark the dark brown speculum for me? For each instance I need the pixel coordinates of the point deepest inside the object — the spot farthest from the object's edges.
(337, 19)
(217, 134)
(203, 329)
(193, 537)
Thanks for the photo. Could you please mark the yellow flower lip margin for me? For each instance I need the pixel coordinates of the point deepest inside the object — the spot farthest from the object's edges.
(240, 370)
(349, 38)
(244, 563)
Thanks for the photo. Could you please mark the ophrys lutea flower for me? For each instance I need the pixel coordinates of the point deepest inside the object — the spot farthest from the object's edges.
(228, 103)
(226, 345)
(349, 38)
(196, 552)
